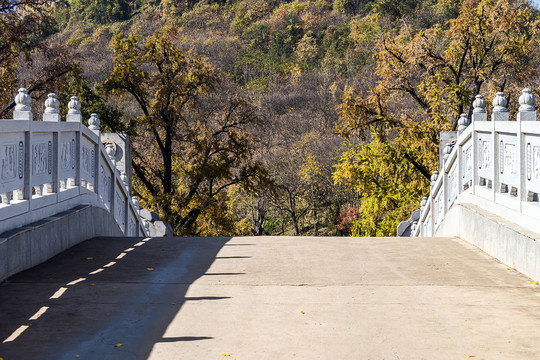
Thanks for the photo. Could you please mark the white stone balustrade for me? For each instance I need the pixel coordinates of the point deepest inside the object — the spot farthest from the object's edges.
(51, 166)
(492, 164)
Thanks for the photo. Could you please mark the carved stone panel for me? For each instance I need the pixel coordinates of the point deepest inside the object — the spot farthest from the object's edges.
(510, 167)
(40, 158)
(120, 210)
(485, 154)
(132, 227)
(467, 161)
(72, 152)
(452, 185)
(87, 160)
(105, 186)
(536, 163)
(9, 162)
(65, 155)
(21, 159)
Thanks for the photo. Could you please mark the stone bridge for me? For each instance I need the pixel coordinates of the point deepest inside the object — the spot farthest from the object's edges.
(125, 295)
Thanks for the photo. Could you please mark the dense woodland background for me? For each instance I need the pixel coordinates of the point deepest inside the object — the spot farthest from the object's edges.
(268, 116)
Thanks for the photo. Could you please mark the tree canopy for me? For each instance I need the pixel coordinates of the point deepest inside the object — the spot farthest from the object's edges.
(194, 145)
(304, 117)
(426, 79)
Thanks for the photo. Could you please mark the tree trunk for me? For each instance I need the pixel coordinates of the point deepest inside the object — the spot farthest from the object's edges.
(258, 226)
(295, 223)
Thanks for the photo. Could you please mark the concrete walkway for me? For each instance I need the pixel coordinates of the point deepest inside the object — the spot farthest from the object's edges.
(270, 298)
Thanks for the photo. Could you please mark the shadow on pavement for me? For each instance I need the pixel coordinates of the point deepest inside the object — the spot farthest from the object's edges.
(106, 298)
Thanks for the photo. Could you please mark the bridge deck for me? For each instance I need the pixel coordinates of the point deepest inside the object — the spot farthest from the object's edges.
(270, 298)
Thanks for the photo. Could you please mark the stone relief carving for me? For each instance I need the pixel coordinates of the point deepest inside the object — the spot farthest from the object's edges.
(120, 208)
(49, 157)
(72, 152)
(452, 185)
(87, 160)
(21, 159)
(509, 159)
(132, 228)
(40, 158)
(536, 163)
(105, 180)
(529, 161)
(65, 155)
(9, 162)
(484, 158)
(440, 207)
(468, 160)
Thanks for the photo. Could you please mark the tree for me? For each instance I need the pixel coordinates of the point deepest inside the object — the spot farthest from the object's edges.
(192, 144)
(24, 25)
(427, 78)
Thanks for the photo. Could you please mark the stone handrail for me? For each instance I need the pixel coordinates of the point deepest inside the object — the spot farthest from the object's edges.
(51, 166)
(492, 164)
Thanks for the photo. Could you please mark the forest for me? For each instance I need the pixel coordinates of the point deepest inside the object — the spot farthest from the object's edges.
(274, 117)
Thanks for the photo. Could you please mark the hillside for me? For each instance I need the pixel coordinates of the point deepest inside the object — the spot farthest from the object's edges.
(274, 117)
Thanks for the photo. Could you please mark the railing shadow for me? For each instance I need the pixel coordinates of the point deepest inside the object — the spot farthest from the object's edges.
(106, 298)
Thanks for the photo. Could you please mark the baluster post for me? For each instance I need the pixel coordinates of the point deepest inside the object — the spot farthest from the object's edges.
(74, 112)
(23, 108)
(500, 113)
(51, 113)
(479, 114)
(527, 112)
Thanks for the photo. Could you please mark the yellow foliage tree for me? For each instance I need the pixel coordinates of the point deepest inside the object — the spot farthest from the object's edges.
(190, 145)
(427, 78)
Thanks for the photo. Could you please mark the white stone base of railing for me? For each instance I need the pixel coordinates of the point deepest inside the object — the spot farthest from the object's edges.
(35, 243)
(514, 244)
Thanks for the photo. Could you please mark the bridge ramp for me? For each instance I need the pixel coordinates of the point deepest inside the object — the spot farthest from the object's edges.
(270, 298)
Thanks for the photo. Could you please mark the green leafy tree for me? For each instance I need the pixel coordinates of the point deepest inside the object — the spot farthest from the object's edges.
(427, 78)
(192, 145)
(102, 11)
(24, 26)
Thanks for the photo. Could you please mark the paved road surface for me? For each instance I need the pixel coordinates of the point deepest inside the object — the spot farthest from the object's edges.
(270, 298)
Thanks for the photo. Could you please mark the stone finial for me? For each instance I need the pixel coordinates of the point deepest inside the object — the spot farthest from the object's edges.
(74, 112)
(136, 203)
(479, 109)
(124, 178)
(423, 203)
(448, 150)
(527, 110)
(74, 106)
(51, 108)
(52, 104)
(500, 111)
(435, 176)
(526, 100)
(93, 122)
(23, 100)
(146, 225)
(23, 110)
(500, 103)
(479, 104)
(110, 150)
(463, 122)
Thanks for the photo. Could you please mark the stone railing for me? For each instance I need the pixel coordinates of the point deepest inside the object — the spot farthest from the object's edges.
(492, 164)
(51, 166)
